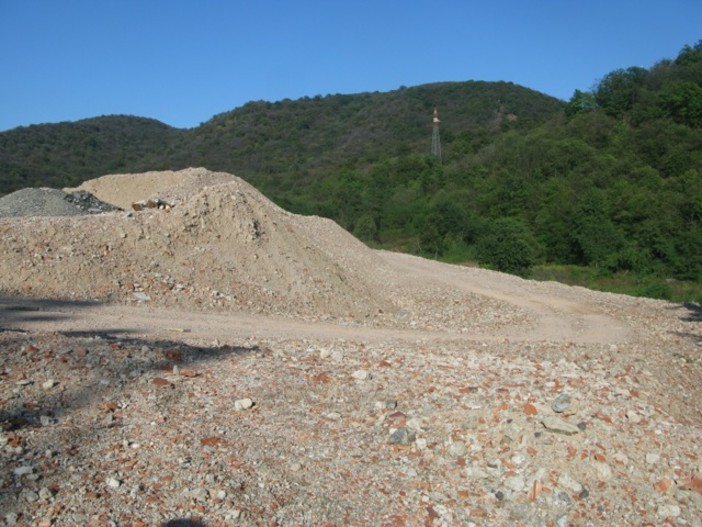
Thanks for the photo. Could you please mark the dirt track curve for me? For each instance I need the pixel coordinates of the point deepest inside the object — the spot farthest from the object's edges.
(556, 318)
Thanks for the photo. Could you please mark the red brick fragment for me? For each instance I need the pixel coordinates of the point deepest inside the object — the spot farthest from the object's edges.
(212, 441)
(663, 485)
(108, 407)
(535, 490)
(692, 484)
(322, 377)
(530, 409)
(160, 381)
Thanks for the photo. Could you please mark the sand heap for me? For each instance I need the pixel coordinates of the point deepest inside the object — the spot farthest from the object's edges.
(223, 245)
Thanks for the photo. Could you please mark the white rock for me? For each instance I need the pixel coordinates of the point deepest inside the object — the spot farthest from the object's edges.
(333, 416)
(457, 449)
(113, 483)
(243, 404)
(361, 375)
(668, 510)
(45, 494)
(518, 459)
(603, 470)
(515, 483)
(652, 458)
(559, 426)
(23, 470)
(567, 482)
(414, 424)
(47, 385)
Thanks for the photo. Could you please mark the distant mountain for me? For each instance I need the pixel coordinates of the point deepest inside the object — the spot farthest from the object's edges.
(67, 153)
(267, 143)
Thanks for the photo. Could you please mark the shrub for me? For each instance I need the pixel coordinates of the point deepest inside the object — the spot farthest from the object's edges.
(508, 246)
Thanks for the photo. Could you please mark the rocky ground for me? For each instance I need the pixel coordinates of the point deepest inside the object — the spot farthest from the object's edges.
(327, 384)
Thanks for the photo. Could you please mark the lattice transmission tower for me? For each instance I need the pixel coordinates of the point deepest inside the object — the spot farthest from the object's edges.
(435, 138)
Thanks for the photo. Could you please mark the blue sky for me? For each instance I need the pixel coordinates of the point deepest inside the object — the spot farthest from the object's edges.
(182, 62)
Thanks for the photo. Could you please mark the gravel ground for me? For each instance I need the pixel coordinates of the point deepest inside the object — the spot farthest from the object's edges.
(402, 392)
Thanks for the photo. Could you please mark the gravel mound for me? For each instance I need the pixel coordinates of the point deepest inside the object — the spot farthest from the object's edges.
(51, 202)
(222, 246)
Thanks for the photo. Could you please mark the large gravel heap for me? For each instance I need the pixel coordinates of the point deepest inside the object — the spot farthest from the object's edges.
(222, 245)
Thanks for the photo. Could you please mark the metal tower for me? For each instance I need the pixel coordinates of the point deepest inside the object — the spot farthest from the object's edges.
(435, 139)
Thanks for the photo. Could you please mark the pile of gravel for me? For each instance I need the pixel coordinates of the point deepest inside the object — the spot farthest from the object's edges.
(51, 202)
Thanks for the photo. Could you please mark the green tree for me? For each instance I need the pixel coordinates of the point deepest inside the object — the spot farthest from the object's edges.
(508, 246)
(596, 235)
(581, 101)
(618, 91)
(682, 100)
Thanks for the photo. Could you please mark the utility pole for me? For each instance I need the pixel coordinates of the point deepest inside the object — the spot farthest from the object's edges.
(435, 139)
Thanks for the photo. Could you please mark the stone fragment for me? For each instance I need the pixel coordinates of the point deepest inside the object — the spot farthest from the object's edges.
(45, 493)
(201, 494)
(561, 403)
(113, 483)
(559, 426)
(30, 496)
(515, 483)
(414, 423)
(565, 481)
(402, 436)
(333, 416)
(668, 510)
(652, 458)
(23, 470)
(457, 449)
(243, 404)
(48, 384)
(141, 296)
(603, 471)
(46, 420)
(361, 375)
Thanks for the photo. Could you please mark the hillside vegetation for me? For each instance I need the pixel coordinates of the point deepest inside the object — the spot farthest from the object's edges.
(610, 181)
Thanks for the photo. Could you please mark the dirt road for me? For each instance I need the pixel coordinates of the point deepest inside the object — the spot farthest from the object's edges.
(559, 313)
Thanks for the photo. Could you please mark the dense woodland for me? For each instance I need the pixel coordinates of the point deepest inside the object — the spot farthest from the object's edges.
(610, 181)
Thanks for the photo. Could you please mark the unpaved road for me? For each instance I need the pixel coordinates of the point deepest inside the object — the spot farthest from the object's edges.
(570, 317)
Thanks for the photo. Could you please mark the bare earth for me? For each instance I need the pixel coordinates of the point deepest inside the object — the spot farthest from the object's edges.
(385, 389)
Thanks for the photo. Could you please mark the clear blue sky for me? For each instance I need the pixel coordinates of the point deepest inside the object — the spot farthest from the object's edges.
(182, 62)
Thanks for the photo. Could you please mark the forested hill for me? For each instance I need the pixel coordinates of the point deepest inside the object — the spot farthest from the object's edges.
(610, 180)
(65, 154)
(271, 144)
